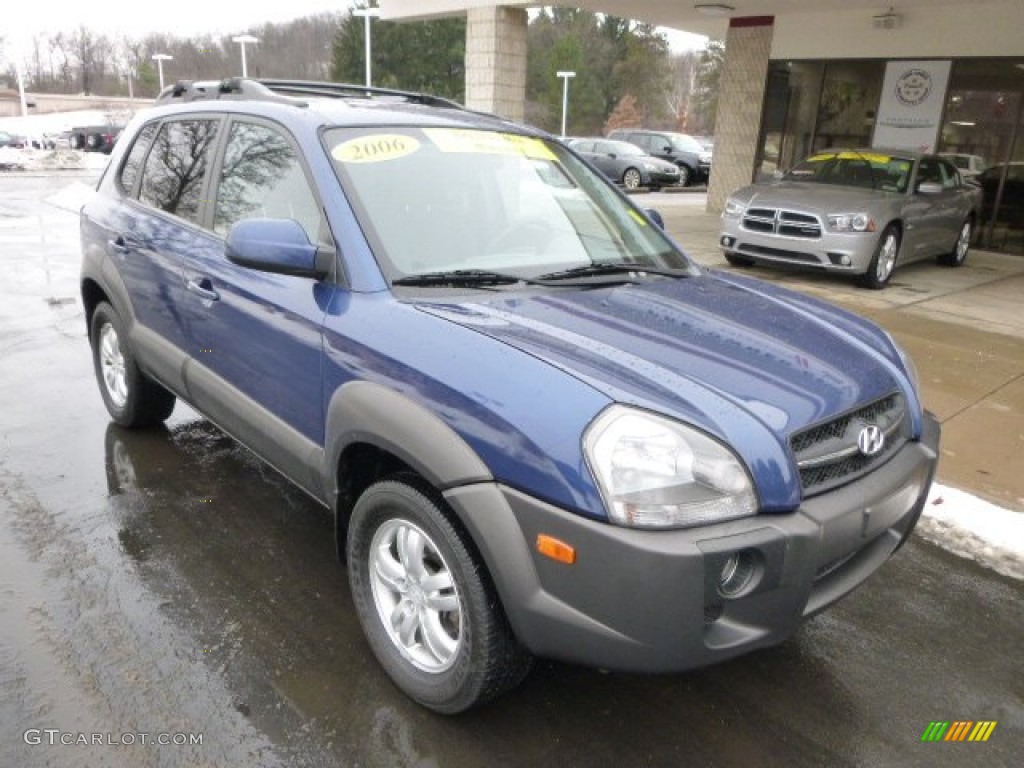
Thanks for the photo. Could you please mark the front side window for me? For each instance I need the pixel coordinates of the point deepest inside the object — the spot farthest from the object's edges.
(262, 177)
(172, 180)
(443, 199)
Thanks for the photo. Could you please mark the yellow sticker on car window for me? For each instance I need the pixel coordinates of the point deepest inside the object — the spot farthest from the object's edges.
(376, 148)
(488, 143)
(638, 218)
(870, 157)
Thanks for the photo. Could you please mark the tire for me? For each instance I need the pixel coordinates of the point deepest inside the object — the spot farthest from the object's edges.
(93, 141)
(957, 256)
(738, 261)
(458, 650)
(631, 178)
(685, 175)
(884, 260)
(75, 141)
(132, 399)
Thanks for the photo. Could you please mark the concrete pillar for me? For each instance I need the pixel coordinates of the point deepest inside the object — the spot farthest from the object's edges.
(741, 90)
(496, 60)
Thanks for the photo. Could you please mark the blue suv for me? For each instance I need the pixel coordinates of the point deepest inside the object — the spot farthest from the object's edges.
(542, 429)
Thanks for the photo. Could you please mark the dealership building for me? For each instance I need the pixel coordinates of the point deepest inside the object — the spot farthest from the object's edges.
(804, 75)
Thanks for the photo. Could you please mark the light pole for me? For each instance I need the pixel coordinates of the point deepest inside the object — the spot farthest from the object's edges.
(242, 40)
(160, 58)
(367, 14)
(565, 75)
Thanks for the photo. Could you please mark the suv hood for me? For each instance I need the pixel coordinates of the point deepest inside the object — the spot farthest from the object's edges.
(744, 361)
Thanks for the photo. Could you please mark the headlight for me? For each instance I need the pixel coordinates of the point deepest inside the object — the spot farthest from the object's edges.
(658, 473)
(851, 222)
(733, 208)
(704, 157)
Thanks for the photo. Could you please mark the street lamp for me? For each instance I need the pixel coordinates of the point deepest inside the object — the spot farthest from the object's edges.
(160, 58)
(367, 14)
(242, 40)
(565, 75)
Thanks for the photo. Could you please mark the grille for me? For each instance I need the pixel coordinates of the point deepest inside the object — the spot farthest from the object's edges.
(827, 454)
(782, 222)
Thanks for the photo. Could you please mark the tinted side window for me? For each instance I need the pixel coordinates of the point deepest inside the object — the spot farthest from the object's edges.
(133, 163)
(173, 177)
(950, 178)
(262, 177)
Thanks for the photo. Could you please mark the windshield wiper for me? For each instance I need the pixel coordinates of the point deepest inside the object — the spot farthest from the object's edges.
(609, 268)
(459, 277)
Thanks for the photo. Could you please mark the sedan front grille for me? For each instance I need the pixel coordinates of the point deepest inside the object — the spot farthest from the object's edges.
(782, 222)
(828, 454)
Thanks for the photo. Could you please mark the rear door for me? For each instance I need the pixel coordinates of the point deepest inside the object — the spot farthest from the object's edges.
(154, 227)
(255, 336)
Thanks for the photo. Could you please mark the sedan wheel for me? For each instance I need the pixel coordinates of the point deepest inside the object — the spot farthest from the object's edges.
(958, 255)
(631, 178)
(685, 174)
(884, 260)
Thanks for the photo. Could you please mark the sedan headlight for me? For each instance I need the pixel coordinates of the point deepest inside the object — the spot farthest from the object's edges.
(658, 473)
(704, 157)
(851, 222)
(733, 208)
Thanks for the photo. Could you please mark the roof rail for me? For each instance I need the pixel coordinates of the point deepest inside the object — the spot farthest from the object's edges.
(341, 90)
(233, 88)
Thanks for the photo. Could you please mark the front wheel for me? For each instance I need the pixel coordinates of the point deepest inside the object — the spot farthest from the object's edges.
(631, 178)
(685, 175)
(425, 601)
(884, 260)
(132, 399)
(957, 256)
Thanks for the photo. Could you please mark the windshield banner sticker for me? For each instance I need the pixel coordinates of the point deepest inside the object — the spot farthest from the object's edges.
(488, 143)
(376, 148)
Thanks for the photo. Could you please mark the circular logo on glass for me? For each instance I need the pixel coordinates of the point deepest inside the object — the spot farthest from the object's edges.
(913, 87)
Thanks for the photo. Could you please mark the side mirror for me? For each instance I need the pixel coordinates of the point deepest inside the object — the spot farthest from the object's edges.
(930, 188)
(612, 155)
(668, 149)
(654, 216)
(273, 245)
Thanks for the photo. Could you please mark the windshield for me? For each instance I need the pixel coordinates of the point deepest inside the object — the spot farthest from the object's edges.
(621, 148)
(445, 199)
(869, 170)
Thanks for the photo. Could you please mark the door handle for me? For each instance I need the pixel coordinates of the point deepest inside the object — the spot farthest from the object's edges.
(202, 287)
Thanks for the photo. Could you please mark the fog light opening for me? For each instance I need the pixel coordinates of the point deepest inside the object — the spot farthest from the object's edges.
(737, 573)
(728, 241)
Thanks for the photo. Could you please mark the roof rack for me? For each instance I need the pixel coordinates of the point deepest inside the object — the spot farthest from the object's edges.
(342, 90)
(287, 91)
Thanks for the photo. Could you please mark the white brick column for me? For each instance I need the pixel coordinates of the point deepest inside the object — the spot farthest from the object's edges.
(496, 60)
(740, 101)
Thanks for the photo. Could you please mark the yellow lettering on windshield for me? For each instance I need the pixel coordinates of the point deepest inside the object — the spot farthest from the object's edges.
(488, 143)
(376, 148)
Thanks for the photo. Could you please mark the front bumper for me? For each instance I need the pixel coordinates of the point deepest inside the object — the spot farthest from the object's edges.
(847, 252)
(649, 600)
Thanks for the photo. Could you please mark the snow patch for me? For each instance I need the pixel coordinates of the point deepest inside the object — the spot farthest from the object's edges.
(976, 529)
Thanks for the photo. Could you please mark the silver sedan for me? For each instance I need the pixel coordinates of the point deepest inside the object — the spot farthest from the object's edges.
(856, 212)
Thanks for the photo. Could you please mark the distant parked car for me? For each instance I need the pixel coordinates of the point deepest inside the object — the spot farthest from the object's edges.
(627, 164)
(1011, 206)
(95, 138)
(970, 166)
(684, 151)
(856, 212)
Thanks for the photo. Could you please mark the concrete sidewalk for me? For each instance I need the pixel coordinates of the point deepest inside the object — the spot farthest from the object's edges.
(964, 329)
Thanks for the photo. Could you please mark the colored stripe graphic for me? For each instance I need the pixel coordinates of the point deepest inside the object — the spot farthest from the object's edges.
(959, 730)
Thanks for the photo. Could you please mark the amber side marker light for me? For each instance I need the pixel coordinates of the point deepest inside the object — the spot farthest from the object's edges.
(555, 549)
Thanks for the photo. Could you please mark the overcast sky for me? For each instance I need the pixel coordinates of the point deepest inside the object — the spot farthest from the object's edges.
(178, 17)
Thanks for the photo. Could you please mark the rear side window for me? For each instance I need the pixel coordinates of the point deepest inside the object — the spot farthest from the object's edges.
(133, 163)
(262, 177)
(172, 179)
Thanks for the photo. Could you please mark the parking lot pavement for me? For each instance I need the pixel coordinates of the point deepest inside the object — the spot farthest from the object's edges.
(964, 329)
(167, 582)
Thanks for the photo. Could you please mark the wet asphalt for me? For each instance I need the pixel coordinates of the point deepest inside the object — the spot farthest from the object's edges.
(167, 582)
